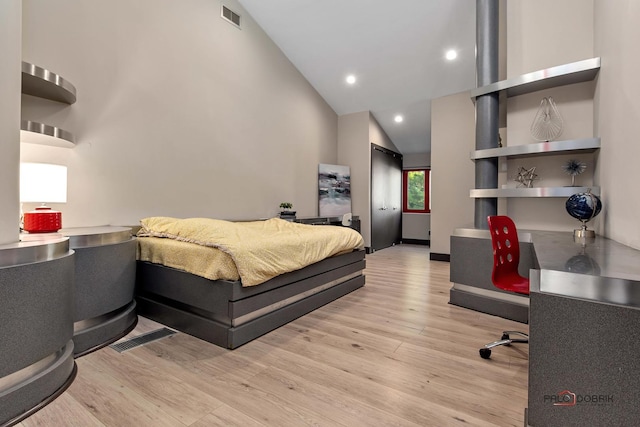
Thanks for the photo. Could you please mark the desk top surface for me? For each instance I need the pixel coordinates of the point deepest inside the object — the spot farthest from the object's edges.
(597, 269)
(598, 256)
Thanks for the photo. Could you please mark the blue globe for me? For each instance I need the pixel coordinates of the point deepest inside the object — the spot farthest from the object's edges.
(584, 206)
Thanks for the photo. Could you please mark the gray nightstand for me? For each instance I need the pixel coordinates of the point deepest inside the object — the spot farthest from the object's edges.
(36, 290)
(329, 220)
(105, 272)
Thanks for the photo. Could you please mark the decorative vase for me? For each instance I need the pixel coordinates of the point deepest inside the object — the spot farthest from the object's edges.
(547, 124)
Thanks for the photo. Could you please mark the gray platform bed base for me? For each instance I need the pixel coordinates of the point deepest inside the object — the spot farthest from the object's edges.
(228, 315)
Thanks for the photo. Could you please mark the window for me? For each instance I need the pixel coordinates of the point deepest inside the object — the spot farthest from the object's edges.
(415, 189)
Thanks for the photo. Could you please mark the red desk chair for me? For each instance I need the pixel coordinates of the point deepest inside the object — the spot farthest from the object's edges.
(505, 276)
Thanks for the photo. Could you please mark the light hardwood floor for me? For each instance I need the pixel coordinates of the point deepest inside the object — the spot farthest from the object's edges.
(391, 353)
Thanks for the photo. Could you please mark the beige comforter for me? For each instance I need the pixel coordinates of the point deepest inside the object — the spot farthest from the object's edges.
(261, 250)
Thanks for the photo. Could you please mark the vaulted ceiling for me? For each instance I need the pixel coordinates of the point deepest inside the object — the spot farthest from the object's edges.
(395, 49)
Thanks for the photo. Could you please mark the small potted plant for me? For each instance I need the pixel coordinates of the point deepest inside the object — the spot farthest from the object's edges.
(286, 212)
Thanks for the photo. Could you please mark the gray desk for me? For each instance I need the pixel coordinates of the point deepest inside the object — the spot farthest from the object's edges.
(584, 324)
(470, 272)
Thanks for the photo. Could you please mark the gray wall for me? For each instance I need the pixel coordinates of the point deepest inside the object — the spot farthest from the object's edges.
(378, 136)
(546, 33)
(452, 173)
(10, 82)
(416, 225)
(537, 40)
(179, 113)
(356, 132)
(353, 150)
(618, 117)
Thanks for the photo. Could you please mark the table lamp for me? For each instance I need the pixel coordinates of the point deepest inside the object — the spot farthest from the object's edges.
(42, 183)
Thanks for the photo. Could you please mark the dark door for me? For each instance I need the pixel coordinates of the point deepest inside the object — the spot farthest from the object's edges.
(386, 197)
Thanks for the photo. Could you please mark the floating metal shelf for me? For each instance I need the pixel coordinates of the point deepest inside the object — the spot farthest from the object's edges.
(588, 145)
(43, 83)
(575, 72)
(531, 192)
(38, 133)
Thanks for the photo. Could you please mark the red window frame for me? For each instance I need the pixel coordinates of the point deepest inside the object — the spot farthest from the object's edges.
(405, 189)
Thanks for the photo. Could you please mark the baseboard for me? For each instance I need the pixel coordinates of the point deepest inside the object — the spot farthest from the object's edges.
(440, 257)
(494, 306)
(416, 242)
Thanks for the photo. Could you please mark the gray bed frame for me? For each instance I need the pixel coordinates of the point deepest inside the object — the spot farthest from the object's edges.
(229, 315)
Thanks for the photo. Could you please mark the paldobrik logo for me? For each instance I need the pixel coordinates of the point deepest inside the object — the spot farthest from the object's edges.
(568, 398)
(565, 398)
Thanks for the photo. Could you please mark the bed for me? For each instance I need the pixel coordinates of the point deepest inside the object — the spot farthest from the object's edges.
(231, 282)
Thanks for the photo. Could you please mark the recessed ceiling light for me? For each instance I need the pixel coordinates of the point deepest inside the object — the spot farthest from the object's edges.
(351, 79)
(451, 54)
(398, 118)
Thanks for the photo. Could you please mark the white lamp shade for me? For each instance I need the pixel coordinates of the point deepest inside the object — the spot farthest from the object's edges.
(43, 183)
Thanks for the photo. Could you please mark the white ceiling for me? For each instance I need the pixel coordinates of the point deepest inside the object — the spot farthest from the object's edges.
(395, 49)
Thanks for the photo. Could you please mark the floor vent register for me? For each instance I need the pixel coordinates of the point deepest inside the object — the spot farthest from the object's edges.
(143, 339)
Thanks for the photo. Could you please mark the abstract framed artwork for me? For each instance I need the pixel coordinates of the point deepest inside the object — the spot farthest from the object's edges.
(334, 190)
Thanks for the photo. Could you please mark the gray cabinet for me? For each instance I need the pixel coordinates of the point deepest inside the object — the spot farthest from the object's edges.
(105, 273)
(386, 197)
(36, 357)
(329, 220)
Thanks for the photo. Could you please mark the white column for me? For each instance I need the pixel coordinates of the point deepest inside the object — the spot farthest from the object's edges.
(10, 89)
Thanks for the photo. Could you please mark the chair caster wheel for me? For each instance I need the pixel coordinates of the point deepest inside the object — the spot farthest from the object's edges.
(485, 353)
(505, 337)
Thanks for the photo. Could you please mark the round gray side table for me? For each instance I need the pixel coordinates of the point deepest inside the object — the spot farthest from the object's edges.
(105, 272)
(36, 346)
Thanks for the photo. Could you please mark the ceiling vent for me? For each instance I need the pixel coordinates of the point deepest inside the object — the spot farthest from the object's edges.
(230, 16)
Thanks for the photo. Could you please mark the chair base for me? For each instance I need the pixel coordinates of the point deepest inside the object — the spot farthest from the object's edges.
(485, 352)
